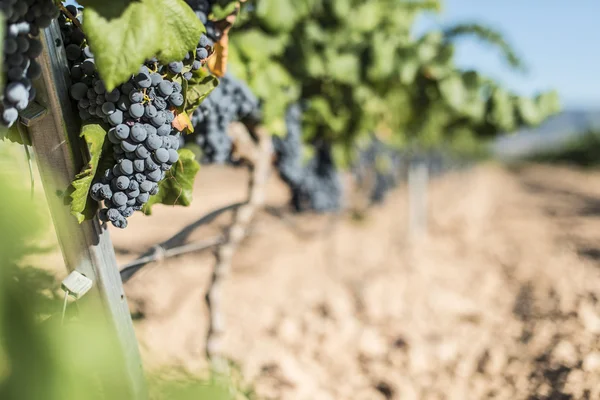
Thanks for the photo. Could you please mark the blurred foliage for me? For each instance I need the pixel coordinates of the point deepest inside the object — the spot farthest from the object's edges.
(41, 359)
(359, 70)
(488, 35)
(584, 151)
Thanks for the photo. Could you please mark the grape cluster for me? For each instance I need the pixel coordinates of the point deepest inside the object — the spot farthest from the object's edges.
(203, 8)
(381, 162)
(315, 186)
(441, 161)
(24, 20)
(231, 101)
(191, 62)
(142, 158)
(289, 149)
(71, 34)
(320, 189)
(140, 113)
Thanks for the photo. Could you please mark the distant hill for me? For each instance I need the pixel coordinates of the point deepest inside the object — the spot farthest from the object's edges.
(552, 134)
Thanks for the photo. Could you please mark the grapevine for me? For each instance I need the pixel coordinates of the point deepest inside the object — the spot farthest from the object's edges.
(140, 113)
(147, 78)
(355, 80)
(231, 101)
(315, 186)
(289, 148)
(382, 165)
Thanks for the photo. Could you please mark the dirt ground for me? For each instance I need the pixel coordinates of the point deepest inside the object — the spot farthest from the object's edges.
(499, 301)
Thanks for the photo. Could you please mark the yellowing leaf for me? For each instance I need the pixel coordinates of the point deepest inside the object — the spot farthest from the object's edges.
(218, 62)
(183, 122)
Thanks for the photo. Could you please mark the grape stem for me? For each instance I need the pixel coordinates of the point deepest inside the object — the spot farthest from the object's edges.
(259, 165)
(70, 16)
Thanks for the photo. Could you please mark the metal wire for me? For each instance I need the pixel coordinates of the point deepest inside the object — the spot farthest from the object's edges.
(160, 253)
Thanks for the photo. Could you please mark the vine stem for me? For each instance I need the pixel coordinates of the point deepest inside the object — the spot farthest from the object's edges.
(70, 16)
(259, 164)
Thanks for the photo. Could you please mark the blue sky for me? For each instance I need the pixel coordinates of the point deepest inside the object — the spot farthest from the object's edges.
(558, 40)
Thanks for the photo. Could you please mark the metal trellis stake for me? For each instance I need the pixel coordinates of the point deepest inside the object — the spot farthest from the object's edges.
(54, 131)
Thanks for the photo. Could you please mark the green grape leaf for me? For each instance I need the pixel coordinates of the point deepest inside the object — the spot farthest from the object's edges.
(82, 206)
(321, 111)
(408, 70)
(273, 82)
(343, 67)
(528, 111)
(429, 46)
(177, 187)
(341, 8)
(365, 17)
(548, 103)
(340, 155)
(220, 12)
(12, 134)
(122, 35)
(277, 15)
(453, 91)
(197, 89)
(180, 32)
(438, 71)
(501, 110)
(314, 65)
(384, 53)
(255, 44)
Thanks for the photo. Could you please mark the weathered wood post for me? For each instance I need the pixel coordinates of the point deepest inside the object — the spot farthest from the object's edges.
(54, 132)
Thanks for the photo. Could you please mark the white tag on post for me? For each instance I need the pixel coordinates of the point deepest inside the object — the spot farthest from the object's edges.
(76, 284)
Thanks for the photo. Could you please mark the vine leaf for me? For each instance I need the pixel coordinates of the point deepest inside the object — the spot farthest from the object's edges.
(181, 30)
(220, 12)
(82, 206)
(198, 88)
(277, 15)
(12, 135)
(122, 35)
(177, 187)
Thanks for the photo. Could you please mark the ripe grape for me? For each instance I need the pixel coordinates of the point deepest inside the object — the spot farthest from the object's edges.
(23, 22)
(315, 186)
(231, 101)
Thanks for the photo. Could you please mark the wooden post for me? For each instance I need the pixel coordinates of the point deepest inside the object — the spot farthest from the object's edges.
(54, 131)
(418, 183)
